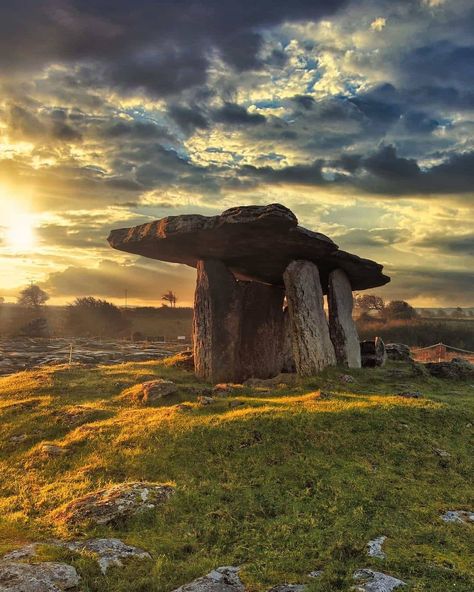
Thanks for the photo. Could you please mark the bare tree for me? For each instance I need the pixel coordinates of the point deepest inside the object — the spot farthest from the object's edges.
(170, 297)
(32, 296)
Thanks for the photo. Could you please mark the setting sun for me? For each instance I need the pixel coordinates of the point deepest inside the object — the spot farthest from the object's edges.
(20, 232)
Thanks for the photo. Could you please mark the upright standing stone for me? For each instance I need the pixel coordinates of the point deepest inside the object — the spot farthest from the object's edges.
(216, 324)
(239, 329)
(341, 324)
(262, 330)
(312, 345)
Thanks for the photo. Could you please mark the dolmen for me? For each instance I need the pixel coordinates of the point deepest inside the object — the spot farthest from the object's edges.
(259, 299)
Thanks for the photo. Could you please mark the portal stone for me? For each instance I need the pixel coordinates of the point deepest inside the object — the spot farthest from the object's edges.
(239, 326)
(342, 328)
(312, 347)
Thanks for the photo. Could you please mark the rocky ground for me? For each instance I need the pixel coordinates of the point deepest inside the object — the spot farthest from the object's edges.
(26, 353)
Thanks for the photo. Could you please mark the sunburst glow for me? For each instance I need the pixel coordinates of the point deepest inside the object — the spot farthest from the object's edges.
(20, 232)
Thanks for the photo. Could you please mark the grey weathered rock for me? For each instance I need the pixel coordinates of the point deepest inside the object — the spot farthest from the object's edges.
(222, 579)
(238, 326)
(342, 328)
(255, 242)
(456, 369)
(312, 346)
(459, 516)
(398, 352)
(37, 577)
(375, 547)
(410, 394)
(108, 552)
(317, 573)
(153, 390)
(288, 588)
(373, 353)
(114, 503)
(203, 400)
(280, 380)
(375, 581)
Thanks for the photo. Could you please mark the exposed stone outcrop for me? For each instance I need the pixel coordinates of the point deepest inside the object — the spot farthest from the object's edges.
(115, 503)
(37, 577)
(222, 579)
(398, 352)
(375, 581)
(312, 346)
(456, 369)
(255, 243)
(373, 353)
(341, 325)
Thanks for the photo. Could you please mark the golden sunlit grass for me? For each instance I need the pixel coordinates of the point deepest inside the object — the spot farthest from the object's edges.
(291, 480)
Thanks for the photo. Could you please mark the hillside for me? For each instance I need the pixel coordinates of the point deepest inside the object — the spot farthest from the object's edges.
(281, 481)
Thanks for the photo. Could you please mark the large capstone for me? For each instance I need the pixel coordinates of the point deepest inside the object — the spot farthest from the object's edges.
(341, 325)
(255, 243)
(312, 346)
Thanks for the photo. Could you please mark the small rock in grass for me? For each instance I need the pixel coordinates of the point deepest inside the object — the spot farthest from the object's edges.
(53, 450)
(375, 547)
(236, 403)
(19, 438)
(222, 579)
(114, 503)
(317, 573)
(459, 516)
(375, 581)
(156, 389)
(279, 381)
(184, 407)
(324, 395)
(346, 378)
(226, 387)
(442, 453)
(410, 395)
(288, 588)
(39, 577)
(109, 552)
(203, 400)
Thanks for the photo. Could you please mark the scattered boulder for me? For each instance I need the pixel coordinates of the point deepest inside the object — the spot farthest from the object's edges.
(37, 577)
(52, 450)
(288, 588)
(410, 395)
(374, 547)
(203, 400)
(317, 573)
(373, 353)
(115, 503)
(183, 360)
(398, 352)
(456, 369)
(222, 579)
(459, 516)
(442, 453)
(375, 581)
(282, 380)
(346, 378)
(224, 388)
(235, 403)
(156, 389)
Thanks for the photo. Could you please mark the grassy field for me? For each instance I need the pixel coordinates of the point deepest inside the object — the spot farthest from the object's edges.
(294, 480)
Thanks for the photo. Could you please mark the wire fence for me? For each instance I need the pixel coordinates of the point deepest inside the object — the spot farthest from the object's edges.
(440, 352)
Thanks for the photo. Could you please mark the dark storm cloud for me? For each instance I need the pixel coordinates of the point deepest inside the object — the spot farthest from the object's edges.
(45, 127)
(188, 118)
(232, 114)
(305, 101)
(458, 244)
(297, 174)
(162, 47)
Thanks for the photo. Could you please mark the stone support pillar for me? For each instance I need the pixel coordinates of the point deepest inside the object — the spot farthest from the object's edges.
(238, 326)
(342, 328)
(312, 346)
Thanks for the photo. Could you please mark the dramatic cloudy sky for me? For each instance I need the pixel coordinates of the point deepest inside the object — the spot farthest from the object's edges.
(357, 114)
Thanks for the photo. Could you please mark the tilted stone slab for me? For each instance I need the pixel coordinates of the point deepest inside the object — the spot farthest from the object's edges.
(255, 242)
(341, 325)
(312, 346)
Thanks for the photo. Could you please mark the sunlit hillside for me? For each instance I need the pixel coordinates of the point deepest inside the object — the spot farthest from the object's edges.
(281, 481)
